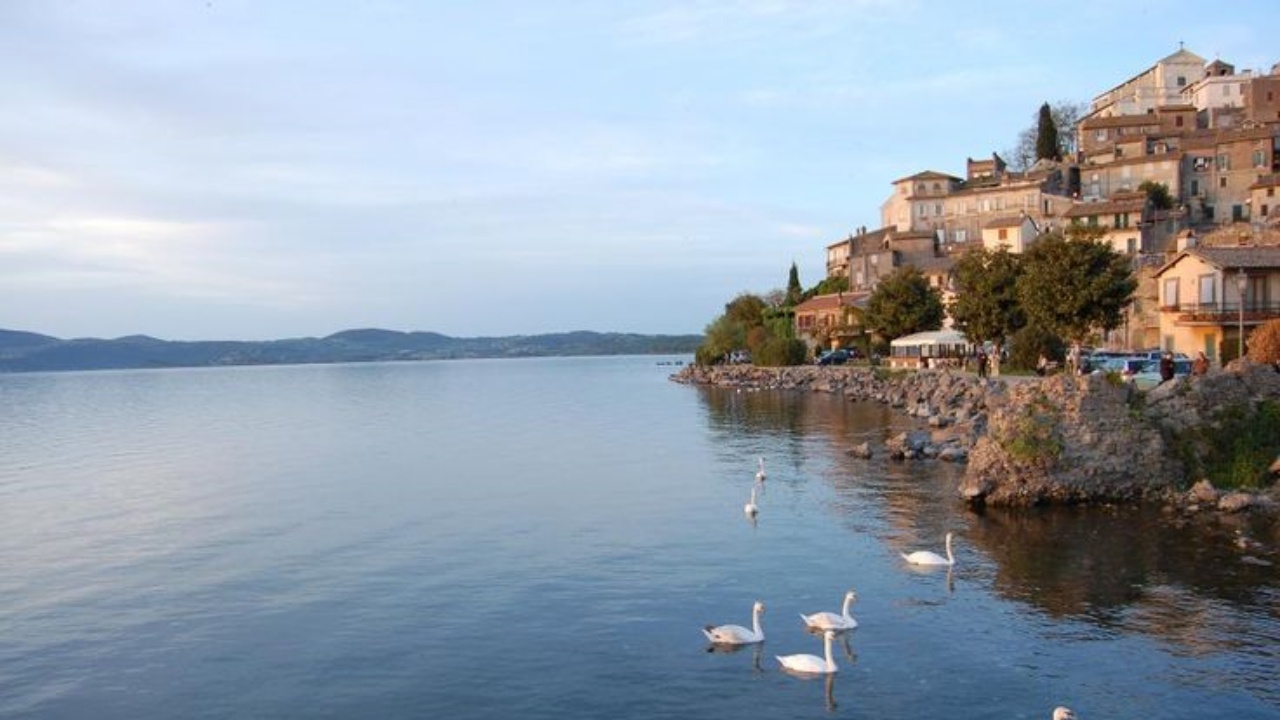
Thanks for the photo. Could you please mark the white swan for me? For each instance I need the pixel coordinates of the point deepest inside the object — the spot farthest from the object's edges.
(736, 634)
(928, 557)
(812, 664)
(760, 476)
(831, 621)
(751, 509)
(1063, 713)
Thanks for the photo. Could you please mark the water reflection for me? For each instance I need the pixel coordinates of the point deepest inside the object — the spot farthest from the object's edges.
(757, 653)
(1204, 586)
(1097, 561)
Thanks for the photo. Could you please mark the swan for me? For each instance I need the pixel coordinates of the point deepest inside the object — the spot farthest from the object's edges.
(831, 621)
(927, 557)
(760, 476)
(736, 634)
(812, 664)
(751, 509)
(1063, 713)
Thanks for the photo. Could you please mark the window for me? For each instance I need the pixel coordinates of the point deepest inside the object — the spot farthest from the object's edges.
(1004, 233)
(1177, 121)
(1263, 210)
(1259, 159)
(1223, 162)
(1208, 296)
(1171, 292)
(1121, 220)
(1100, 135)
(937, 209)
(1133, 245)
(1195, 188)
(961, 236)
(1182, 81)
(1093, 221)
(1222, 182)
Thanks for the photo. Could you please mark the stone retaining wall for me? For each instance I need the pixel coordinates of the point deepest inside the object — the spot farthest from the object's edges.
(1029, 441)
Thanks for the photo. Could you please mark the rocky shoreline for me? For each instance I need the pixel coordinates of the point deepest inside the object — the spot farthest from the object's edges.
(1033, 441)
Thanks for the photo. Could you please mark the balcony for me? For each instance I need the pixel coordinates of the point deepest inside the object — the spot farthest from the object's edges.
(1222, 313)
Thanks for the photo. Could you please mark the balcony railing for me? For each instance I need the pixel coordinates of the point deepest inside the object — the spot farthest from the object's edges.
(1224, 313)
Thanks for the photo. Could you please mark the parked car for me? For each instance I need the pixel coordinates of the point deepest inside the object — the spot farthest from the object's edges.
(839, 356)
(1149, 375)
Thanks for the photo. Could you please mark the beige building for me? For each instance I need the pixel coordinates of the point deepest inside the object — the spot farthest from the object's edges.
(956, 211)
(1200, 296)
(1125, 218)
(832, 320)
(1015, 233)
(1221, 167)
(1159, 85)
(1264, 200)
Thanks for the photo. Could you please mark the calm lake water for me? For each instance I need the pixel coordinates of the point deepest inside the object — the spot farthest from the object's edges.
(545, 538)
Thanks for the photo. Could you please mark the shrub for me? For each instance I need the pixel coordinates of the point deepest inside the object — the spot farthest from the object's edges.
(1236, 449)
(1034, 438)
(1264, 342)
(776, 351)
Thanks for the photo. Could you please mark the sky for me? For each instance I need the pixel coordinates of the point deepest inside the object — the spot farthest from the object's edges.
(258, 169)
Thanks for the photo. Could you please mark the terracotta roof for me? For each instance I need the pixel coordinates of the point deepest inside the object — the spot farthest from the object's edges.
(1107, 207)
(928, 175)
(1272, 180)
(1245, 256)
(1250, 257)
(1006, 222)
(832, 301)
(1120, 121)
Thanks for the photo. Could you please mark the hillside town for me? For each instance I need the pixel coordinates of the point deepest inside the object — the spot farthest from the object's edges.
(1208, 264)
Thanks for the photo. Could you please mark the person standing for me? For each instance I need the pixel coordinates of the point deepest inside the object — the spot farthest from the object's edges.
(1166, 367)
(1201, 364)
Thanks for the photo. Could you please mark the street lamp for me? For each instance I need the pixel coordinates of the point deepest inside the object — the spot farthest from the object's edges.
(1242, 282)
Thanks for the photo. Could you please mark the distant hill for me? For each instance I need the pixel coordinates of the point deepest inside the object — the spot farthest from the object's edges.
(32, 352)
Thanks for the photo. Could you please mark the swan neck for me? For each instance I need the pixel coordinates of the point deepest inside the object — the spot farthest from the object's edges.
(950, 559)
(831, 663)
(847, 602)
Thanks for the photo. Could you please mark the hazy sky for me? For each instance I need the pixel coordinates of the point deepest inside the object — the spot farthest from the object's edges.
(250, 169)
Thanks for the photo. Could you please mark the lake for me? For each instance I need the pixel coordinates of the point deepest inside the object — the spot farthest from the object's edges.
(545, 538)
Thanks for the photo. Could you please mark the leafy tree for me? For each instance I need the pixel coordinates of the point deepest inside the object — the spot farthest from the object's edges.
(986, 306)
(904, 303)
(795, 294)
(1264, 343)
(731, 330)
(1073, 284)
(828, 285)
(1158, 193)
(1030, 342)
(1047, 136)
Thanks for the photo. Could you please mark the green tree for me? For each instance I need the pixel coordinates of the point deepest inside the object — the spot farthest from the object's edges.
(828, 285)
(986, 306)
(1158, 193)
(795, 293)
(1073, 284)
(904, 303)
(732, 330)
(1047, 147)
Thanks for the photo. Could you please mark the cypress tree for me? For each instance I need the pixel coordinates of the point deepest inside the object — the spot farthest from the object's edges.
(1047, 136)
